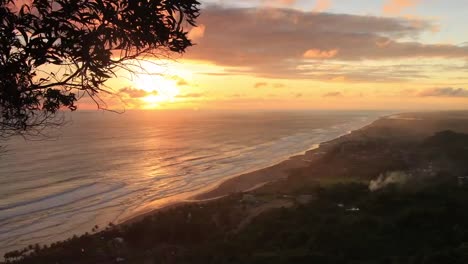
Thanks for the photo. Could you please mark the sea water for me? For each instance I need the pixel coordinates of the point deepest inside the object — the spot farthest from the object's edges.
(103, 167)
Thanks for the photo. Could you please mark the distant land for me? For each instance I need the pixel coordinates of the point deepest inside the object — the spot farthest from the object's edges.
(395, 191)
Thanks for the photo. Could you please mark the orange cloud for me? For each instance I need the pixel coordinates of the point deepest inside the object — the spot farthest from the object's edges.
(320, 54)
(287, 2)
(417, 21)
(445, 92)
(265, 84)
(383, 42)
(269, 3)
(197, 33)
(260, 84)
(266, 42)
(322, 5)
(333, 94)
(397, 6)
(180, 81)
(135, 93)
(190, 95)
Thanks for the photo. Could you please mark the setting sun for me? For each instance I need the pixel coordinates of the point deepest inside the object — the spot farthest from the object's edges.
(158, 89)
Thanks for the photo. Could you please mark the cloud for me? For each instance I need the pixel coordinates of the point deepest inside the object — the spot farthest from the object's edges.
(322, 5)
(276, 2)
(182, 82)
(272, 42)
(320, 54)
(287, 2)
(260, 84)
(190, 95)
(397, 6)
(333, 94)
(265, 84)
(278, 85)
(444, 92)
(135, 93)
(197, 33)
(215, 73)
(179, 80)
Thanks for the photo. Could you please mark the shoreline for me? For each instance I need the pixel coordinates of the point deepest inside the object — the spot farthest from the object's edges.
(244, 182)
(192, 228)
(257, 178)
(225, 184)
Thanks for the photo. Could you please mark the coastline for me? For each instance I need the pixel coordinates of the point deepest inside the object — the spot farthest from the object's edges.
(245, 182)
(250, 181)
(221, 184)
(190, 229)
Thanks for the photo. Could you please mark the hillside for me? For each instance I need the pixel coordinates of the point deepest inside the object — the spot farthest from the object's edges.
(393, 192)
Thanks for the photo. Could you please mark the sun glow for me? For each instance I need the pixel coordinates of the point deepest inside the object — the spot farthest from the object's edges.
(159, 89)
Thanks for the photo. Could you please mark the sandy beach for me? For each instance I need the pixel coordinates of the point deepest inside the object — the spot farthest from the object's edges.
(413, 124)
(245, 182)
(241, 183)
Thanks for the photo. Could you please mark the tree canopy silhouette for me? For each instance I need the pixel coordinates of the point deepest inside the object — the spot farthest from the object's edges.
(85, 42)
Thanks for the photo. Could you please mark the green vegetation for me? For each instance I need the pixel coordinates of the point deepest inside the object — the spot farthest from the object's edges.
(392, 226)
(420, 219)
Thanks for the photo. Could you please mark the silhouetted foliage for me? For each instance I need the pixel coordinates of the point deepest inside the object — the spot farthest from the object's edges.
(87, 41)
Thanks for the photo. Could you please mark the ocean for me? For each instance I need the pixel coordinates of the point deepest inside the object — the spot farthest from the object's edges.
(103, 167)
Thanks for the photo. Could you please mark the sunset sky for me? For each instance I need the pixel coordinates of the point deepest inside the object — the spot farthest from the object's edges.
(314, 54)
